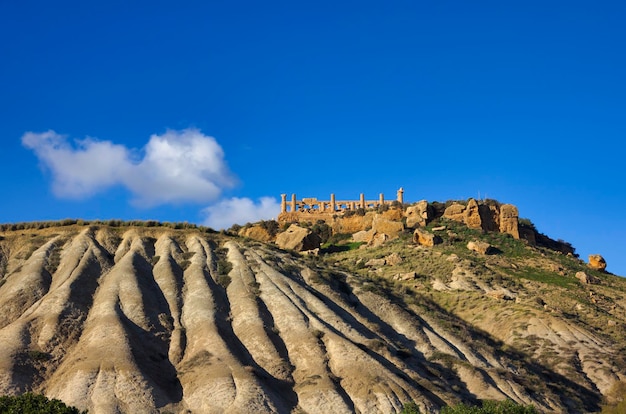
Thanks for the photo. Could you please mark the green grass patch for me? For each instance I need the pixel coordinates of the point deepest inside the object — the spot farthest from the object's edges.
(544, 276)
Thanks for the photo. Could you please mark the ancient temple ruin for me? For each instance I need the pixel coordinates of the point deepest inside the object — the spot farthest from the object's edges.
(313, 205)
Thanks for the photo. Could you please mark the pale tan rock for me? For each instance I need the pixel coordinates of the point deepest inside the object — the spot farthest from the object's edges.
(404, 277)
(391, 228)
(394, 214)
(501, 294)
(587, 278)
(378, 239)
(256, 232)
(597, 262)
(376, 262)
(509, 220)
(479, 247)
(298, 238)
(455, 212)
(353, 224)
(471, 215)
(425, 238)
(417, 215)
(393, 259)
(363, 236)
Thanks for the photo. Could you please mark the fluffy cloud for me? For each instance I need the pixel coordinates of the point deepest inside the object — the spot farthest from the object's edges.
(177, 167)
(240, 211)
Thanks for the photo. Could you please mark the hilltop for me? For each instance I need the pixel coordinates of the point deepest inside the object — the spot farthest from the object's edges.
(147, 317)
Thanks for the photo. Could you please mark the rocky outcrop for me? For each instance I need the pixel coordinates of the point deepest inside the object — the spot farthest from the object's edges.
(471, 215)
(455, 212)
(597, 262)
(298, 238)
(352, 224)
(488, 217)
(256, 232)
(509, 220)
(378, 239)
(425, 238)
(151, 320)
(391, 228)
(418, 214)
(363, 236)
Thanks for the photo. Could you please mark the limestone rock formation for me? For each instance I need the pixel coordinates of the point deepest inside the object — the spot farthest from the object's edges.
(488, 217)
(403, 277)
(363, 236)
(509, 220)
(256, 232)
(391, 228)
(597, 262)
(298, 238)
(425, 238)
(378, 239)
(471, 215)
(352, 224)
(418, 215)
(587, 278)
(480, 247)
(455, 212)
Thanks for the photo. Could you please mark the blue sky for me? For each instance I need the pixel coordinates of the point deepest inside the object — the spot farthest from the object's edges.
(202, 111)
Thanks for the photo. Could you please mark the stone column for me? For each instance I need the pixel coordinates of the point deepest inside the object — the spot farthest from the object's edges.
(333, 206)
(362, 201)
(293, 202)
(401, 195)
(283, 203)
(381, 199)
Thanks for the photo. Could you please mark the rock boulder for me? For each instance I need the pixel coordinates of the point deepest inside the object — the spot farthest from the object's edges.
(425, 238)
(587, 279)
(383, 225)
(480, 247)
(418, 215)
(256, 232)
(597, 262)
(455, 212)
(298, 238)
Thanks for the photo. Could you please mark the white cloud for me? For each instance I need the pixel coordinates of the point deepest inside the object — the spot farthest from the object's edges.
(177, 167)
(240, 211)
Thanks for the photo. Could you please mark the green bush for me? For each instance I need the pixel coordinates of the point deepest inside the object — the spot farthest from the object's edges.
(31, 403)
(410, 408)
(323, 230)
(491, 407)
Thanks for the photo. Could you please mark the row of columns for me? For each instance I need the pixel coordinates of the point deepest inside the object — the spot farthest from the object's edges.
(333, 202)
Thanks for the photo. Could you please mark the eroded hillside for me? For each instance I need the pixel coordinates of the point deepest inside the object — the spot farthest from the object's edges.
(137, 319)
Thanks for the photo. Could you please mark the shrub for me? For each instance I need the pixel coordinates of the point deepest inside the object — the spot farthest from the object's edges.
(410, 408)
(271, 226)
(491, 407)
(31, 403)
(323, 230)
